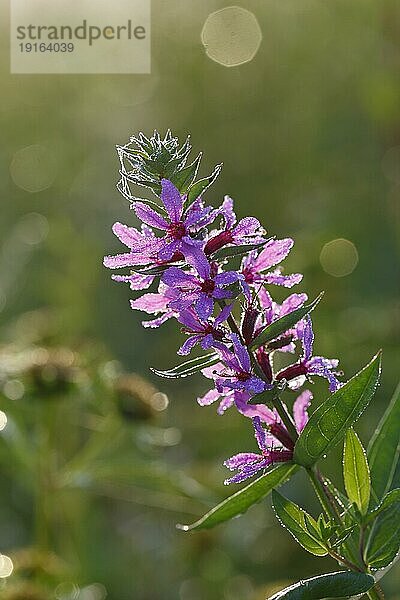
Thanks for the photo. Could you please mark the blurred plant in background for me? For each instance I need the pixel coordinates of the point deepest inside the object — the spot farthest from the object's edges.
(73, 425)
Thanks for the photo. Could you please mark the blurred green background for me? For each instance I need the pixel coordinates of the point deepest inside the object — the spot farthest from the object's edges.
(96, 466)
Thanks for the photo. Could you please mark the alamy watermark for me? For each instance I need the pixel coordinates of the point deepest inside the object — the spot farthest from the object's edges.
(58, 36)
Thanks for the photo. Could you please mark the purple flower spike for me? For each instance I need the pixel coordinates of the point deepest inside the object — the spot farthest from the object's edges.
(249, 463)
(273, 253)
(206, 333)
(199, 292)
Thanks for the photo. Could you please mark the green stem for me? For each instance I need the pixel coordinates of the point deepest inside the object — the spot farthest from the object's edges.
(322, 496)
(344, 561)
(376, 593)
(287, 421)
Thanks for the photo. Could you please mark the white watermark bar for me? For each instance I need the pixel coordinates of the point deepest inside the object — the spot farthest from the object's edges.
(89, 36)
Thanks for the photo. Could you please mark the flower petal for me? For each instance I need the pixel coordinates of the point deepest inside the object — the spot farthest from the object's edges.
(300, 407)
(245, 227)
(273, 253)
(150, 303)
(241, 353)
(149, 216)
(172, 200)
(204, 306)
(129, 236)
(189, 344)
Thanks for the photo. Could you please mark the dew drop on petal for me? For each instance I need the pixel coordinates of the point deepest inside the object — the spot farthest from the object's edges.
(231, 36)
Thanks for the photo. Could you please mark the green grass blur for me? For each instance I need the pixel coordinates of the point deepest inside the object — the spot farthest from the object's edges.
(309, 133)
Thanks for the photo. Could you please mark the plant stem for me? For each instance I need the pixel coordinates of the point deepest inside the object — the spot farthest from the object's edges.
(376, 593)
(287, 421)
(344, 561)
(322, 496)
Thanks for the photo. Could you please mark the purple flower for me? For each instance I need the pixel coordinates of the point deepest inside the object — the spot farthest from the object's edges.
(249, 463)
(198, 291)
(143, 245)
(274, 441)
(309, 364)
(155, 304)
(238, 374)
(272, 311)
(247, 231)
(274, 251)
(206, 333)
(178, 225)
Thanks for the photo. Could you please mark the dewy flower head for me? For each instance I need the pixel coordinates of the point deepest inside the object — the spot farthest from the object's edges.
(195, 281)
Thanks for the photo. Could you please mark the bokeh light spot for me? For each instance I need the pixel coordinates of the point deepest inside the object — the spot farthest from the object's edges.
(67, 591)
(32, 228)
(3, 420)
(6, 566)
(33, 168)
(231, 36)
(159, 401)
(339, 257)
(95, 591)
(14, 389)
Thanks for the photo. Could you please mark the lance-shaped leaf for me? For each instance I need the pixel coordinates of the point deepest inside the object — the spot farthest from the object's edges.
(189, 367)
(232, 251)
(356, 471)
(330, 421)
(384, 541)
(282, 325)
(390, 498)
(332, 585)
(238, 503)
(184, 178)
(384, 448)
(198, 188)
(299, 523)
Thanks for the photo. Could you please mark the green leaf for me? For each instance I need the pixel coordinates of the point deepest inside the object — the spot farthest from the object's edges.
(299, 523)
(356, 471)
(284, 323)
(238, 503)
(332, 585)
(384, 448)
(387, 501)
(231, 251)
(200, 186)
(184, 178)
(189, 367)
(384, 541)
(330, 421)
